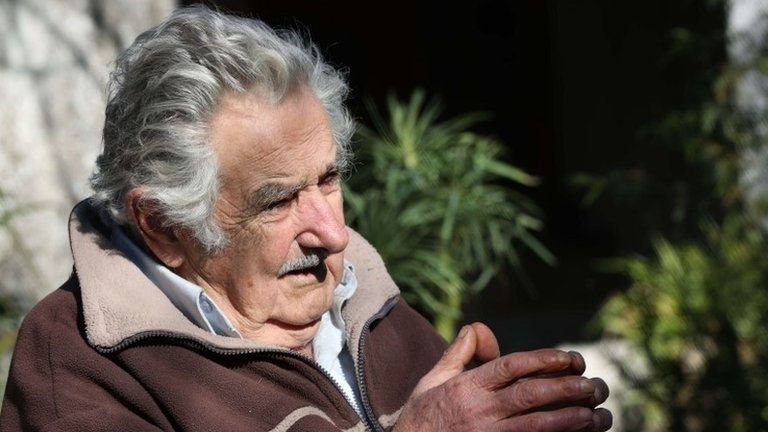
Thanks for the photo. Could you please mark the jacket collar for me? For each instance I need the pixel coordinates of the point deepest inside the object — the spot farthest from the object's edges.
(120, 303)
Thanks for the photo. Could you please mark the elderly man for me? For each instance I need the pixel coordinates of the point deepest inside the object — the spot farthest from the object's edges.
(216, 286)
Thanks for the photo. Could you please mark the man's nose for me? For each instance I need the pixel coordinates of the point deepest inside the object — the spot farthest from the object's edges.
(322, 222)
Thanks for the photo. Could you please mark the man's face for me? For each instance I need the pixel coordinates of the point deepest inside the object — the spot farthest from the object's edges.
(280, 201)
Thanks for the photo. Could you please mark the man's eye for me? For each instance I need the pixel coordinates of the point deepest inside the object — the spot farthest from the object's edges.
(276, 205)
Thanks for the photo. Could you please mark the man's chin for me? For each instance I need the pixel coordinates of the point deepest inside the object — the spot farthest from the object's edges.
(295, 336)
(295, 326)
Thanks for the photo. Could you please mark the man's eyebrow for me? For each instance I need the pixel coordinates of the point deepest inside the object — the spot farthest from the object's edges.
(337, 166)
(271, 192)
(275, 191)
(333, 168)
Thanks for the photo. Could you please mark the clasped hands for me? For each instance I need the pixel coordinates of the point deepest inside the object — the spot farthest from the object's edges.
(529, 391)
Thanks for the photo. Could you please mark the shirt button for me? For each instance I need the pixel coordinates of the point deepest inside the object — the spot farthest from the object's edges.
(206, 306)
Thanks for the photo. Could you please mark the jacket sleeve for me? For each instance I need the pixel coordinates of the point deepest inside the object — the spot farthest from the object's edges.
(59, 382)
(401, 349)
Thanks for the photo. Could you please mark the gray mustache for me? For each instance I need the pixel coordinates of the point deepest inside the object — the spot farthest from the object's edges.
(313, 258)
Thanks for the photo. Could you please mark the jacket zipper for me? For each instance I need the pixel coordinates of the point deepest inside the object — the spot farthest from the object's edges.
(360, 372)
(368, 416)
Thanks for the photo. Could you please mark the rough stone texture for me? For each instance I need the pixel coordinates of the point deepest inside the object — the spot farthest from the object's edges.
(54, 59)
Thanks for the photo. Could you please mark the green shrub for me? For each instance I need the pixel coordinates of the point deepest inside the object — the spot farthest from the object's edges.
(699, 314)
(433, 197)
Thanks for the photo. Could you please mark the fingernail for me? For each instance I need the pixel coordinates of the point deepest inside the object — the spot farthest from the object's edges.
(563, 357)
(463, 332)
(587, 386)
(577, 355)
(597, 422)
(600, 396)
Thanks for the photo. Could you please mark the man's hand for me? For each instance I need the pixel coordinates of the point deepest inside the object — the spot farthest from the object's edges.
(531, 391)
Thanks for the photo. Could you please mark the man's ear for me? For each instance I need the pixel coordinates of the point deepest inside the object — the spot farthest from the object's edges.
(162, 241)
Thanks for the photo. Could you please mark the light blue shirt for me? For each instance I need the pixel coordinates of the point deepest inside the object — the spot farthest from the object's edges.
(329, 345)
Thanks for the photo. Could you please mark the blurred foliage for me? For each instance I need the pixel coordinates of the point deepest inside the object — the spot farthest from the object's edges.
(699, 314)
(433, 197)
(697, 308)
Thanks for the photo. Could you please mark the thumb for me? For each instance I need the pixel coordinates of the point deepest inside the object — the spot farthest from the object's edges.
(456, 357)
(487, 347)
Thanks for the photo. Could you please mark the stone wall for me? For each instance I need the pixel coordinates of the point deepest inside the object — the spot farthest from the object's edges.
(55, 56)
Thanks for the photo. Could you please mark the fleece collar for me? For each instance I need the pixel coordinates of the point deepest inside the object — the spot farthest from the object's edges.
(119, 302)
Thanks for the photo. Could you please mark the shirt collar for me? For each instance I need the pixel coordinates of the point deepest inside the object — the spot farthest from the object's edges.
(188, 297)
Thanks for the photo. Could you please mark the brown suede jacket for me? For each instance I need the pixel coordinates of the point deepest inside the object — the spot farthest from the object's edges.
(108, 351)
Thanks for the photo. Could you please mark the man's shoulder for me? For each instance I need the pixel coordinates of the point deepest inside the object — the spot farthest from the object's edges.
(51, 332)
(58, 381)
(48, 333)
(59, 308)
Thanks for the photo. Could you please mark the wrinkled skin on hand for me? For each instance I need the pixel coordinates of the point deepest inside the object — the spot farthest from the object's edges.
(530, 391)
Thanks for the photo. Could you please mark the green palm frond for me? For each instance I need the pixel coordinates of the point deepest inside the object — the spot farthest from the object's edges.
(434, 198)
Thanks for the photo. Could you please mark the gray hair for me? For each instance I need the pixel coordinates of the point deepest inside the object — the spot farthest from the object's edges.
(163, 93)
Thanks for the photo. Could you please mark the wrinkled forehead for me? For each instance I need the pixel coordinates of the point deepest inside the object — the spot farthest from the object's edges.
(255, 138)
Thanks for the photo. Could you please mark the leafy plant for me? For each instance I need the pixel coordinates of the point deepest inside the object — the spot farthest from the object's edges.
(434, 198)
(697, 308)
(699, 314)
